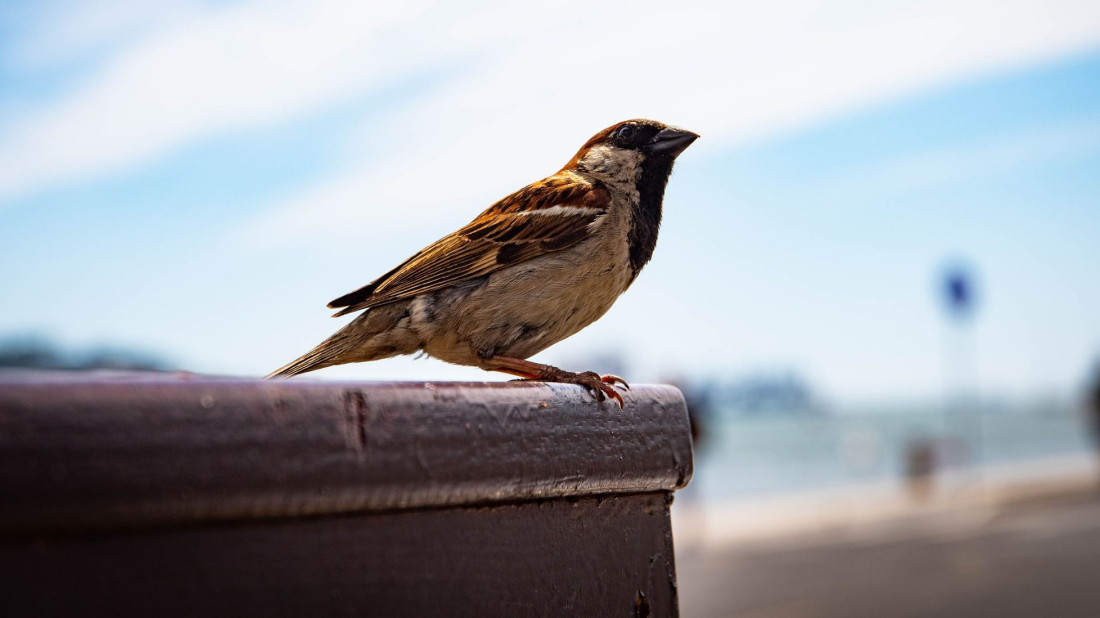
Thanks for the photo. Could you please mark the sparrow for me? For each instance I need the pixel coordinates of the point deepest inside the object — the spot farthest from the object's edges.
(533, 269)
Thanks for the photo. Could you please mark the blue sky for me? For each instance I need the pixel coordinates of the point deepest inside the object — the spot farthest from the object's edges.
(198, 179)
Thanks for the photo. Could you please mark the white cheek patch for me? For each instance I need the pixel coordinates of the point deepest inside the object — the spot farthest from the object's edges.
(597, 159)
(615, 165)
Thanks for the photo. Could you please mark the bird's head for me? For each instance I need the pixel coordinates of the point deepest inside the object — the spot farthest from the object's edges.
(630, 151)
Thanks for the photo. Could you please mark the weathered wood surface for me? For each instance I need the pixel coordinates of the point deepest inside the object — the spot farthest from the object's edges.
(175, 495)
(586, 557)
(123, 452)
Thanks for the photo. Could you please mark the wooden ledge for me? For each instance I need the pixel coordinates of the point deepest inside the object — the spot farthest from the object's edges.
(91, 451)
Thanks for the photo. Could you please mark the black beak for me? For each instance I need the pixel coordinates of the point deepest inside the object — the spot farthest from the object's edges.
(671, 142)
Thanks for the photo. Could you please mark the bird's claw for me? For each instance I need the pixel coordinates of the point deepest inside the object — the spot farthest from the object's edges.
(600, 387)
(614, 380)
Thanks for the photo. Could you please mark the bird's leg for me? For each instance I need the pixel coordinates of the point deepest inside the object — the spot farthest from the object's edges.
(536, 371)
(522, 375)
(600, 386)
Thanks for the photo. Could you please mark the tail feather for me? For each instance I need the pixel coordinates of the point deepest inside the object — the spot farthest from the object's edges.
(317, 358)
(371, 336)
(331, 351)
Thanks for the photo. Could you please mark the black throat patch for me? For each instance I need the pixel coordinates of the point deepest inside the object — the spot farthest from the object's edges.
(646, 221)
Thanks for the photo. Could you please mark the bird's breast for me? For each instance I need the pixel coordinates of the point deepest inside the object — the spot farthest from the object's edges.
(523, 309)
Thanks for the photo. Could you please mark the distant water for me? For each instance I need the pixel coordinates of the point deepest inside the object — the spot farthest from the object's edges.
(751, 456)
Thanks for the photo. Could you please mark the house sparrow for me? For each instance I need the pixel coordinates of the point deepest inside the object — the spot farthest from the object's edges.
(533, 269)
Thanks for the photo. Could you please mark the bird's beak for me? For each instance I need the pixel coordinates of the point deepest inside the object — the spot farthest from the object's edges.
(671, 141)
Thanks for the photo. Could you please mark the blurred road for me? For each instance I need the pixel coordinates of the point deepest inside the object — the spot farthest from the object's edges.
(1036, 557)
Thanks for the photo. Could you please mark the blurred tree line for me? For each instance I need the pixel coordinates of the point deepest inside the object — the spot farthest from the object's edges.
(37, 352)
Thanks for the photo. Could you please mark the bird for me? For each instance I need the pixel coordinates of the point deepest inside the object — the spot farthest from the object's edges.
(534, 268)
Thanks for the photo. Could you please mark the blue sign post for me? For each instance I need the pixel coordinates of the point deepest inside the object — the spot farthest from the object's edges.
(959, 296)
(958, 289)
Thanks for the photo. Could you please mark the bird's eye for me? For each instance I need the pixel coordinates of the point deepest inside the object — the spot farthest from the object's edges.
(624, 135)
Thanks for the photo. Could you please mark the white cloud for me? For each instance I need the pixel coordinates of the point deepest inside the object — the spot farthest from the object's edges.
(52, 33)
(222, 69)
(732, 74)
(531, 82)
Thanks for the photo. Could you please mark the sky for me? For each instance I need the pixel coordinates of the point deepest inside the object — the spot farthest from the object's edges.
(199, 178)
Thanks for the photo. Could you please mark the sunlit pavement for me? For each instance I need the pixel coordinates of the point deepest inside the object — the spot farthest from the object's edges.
(1034, 556)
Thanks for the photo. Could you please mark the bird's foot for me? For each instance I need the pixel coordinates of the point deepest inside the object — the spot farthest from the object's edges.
(600, 387)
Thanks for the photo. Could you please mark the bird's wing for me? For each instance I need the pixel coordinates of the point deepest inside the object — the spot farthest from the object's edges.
(541, 218)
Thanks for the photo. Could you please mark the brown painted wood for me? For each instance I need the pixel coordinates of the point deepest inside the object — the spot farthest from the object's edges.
(92, 452)
(180, 496)
(586, 557)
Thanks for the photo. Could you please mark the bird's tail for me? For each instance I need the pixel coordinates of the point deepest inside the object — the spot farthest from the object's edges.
(324, 355)
(371, 336)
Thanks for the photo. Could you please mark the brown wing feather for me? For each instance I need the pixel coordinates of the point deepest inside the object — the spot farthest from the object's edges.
(365, 292)
(509, 232)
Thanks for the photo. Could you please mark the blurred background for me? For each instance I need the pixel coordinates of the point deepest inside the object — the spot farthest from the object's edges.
(877, 282)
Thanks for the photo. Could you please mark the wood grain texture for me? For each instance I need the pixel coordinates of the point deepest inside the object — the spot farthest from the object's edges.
(99, 452)
(127, 495)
